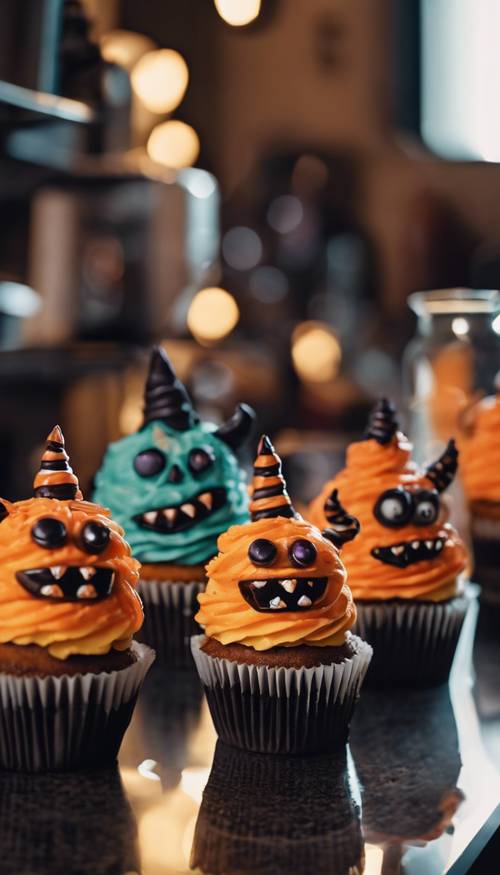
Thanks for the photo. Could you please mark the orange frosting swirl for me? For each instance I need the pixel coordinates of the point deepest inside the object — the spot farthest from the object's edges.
(371, 469)
(480, 452)
(226, 615)
(65, 627)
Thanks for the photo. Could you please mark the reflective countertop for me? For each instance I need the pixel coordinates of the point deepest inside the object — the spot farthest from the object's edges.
(417, 783)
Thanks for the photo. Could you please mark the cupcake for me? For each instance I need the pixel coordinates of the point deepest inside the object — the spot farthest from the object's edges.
(69, 670)
(406, 568)
(278, 815)
(174, 486)
(280, 667)
(480, 452)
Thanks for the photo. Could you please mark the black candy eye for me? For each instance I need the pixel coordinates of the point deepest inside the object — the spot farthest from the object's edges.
(262, 552)
(394, 508)
(426, 508)
(149, 463)
(200, 458)
(302, 553)
(49, 533)
(94, 537)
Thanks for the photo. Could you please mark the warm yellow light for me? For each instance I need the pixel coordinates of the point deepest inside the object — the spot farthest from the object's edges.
(316, 352)
(212, 315)
(124, 47)
(238, 12)
(160, 79)
(174, 144)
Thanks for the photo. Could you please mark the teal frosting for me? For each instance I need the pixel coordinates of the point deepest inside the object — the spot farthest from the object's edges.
(127, 494)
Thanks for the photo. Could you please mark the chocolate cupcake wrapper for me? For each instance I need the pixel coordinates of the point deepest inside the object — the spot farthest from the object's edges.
(69, 722)
(413, 642)
(281, 710)
(169, 611)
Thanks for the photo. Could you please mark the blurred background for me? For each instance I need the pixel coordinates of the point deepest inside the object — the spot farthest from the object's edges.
(260, 185)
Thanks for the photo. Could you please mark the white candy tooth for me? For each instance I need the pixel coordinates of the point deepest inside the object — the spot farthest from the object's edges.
(304, 601)
(189, 509)
(310, 582)
(289, 585)
(58, 571)
(415, 544)
(51, 589)
(87, 571)
(170, 513)
(439, 545)
(150, 517)
(277, 603)
(207, 500)
(429, 544)
(87, 591)
(258, 584)
(397, 550)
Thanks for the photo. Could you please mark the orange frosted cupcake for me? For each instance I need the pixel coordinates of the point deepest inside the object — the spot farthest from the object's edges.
(279, 664)
(405, 569)
(480, 454)
(69, 669)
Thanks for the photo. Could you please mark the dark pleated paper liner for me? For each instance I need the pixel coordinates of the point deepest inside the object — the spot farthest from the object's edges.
(282, 710)
(169, 611)
(277, 816)
(68, 723)
(413, 642)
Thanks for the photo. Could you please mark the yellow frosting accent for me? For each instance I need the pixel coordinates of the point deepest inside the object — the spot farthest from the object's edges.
(65, 628)
(480, 453)
(227, 617)
(372, 468)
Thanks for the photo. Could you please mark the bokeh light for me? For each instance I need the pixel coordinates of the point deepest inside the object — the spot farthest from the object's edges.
(241, 248)
(460, 326)
(316, 352)
(160, 79)
(212, 315)
(285, 214)
(124, 47)
(174, 144)
(268, 284)
(238, 12)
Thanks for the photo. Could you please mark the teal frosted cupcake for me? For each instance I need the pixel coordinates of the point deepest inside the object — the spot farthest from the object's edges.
(174, 486)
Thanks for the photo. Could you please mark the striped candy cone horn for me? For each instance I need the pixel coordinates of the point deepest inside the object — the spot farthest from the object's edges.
(383, 423)
(165, 397)
(56, 479)
(269, 495)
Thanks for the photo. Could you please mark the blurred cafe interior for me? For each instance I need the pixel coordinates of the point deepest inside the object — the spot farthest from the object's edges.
(298, 199)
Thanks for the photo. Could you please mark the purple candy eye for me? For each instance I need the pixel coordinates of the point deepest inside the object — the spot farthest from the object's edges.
(149, 463)
(302, 553)
(262, 552)
(94, 537)
(200, 459)
(49, 533)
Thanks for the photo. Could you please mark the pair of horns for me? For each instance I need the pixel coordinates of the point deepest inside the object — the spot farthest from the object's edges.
(166, 399)
(271, 499)
(383, 425)
(56, 478)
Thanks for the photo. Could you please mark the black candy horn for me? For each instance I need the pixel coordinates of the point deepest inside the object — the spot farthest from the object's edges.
(383, 423)
(235, 431)
(442, 472)
(165, 397)
(343, 526)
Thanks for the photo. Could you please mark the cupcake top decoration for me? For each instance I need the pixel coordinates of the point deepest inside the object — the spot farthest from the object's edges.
(480, 448)
(277, 581)
(67, 577)
(176, 484)
(407, 549)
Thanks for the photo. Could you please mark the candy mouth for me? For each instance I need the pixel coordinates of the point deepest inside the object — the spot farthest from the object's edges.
(68, 583)
(177, 518)
(408, 552)
(278, 594)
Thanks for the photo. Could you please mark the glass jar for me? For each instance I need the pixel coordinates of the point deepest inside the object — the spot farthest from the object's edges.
(452, 359)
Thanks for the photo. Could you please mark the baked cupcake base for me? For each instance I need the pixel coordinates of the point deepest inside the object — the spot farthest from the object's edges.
(70, 721)
(170, 598)
(284, 701)
(413, 642)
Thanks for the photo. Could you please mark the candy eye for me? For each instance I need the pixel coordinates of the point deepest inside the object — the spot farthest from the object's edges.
(149, 463)
(49, 533)
(200, 459)
(262, 552)
(94, 537)
(394, 508)
(426, 508)
(302, 553)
